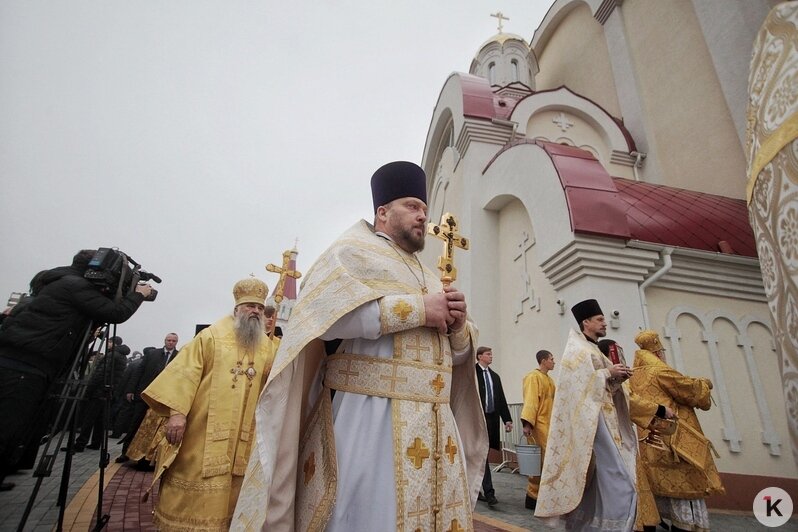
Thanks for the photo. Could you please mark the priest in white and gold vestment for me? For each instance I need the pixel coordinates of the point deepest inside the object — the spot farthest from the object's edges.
(207, 395)
(589, 473)
(371, 419)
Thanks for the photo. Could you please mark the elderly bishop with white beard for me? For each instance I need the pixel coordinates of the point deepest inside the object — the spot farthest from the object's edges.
(209, 393)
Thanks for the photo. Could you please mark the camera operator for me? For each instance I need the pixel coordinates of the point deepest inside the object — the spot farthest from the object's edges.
(37, 344)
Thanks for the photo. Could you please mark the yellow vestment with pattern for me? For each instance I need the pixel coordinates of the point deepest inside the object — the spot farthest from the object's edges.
(668, 474)
(199, 489)
(437, 441)
(538, 390)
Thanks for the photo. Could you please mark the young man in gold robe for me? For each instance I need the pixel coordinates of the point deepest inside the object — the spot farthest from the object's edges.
(208, 394)
(371, 419)
(684, 475)
(538, 389)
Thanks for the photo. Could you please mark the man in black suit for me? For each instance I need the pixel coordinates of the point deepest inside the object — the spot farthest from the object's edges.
(155, 360)
(495, 406)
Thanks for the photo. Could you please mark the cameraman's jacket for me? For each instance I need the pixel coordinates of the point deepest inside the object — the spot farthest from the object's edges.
(44, 334)
(97, 379)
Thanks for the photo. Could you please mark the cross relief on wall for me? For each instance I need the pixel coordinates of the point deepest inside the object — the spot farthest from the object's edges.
(561, 120)
(526, 294)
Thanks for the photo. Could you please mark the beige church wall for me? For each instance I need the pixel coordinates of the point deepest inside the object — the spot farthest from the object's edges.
(749, 404)
(576, 56)
(687, 116)
(527, 317)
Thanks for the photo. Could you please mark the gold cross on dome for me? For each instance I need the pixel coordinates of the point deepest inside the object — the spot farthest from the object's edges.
(447, 231)
(499, 15)
(417, 453)
(284, 272)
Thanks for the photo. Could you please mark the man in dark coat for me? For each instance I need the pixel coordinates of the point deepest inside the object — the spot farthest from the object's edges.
(155, 360)
(114, 363)
(495, 406)
(38, 342)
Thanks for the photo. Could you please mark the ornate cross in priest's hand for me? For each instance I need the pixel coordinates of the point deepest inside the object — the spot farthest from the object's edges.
(447, 231)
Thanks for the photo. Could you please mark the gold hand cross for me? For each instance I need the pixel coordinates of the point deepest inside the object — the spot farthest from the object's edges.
(447, 231)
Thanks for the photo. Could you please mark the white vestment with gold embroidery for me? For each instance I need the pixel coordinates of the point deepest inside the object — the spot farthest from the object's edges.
(590, 435)
(401, 445)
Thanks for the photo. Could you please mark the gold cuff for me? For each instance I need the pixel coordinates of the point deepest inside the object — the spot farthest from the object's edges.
(401, 312)
(459, 340)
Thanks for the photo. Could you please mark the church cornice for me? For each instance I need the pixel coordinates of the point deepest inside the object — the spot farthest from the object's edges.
(607, 258)
(482, 131)
(693, 271)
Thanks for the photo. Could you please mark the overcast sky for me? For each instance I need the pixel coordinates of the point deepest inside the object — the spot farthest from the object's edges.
(202, 138)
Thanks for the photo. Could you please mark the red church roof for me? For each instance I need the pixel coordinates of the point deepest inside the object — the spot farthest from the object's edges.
(686, 218)
(602, 205)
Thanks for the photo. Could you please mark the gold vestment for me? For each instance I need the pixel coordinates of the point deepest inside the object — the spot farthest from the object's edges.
(538, 390)
(669, 474)
(199, 489)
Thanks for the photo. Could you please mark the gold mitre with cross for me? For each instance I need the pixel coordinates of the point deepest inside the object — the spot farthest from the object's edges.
(447, 231)
(250, 290)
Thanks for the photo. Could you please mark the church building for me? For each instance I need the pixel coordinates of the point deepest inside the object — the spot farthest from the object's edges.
(606, 159)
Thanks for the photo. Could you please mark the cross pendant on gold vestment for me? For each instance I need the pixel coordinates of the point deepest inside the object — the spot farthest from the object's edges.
(447, 231)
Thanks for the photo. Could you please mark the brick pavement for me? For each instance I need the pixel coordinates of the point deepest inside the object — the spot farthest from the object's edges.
(124, 486)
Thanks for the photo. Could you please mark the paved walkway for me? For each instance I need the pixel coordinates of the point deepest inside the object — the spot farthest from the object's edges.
(124, 486)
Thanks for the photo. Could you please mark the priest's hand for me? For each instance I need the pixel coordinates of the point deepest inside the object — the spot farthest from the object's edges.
(436, 312)
(669, 414)
(620, 372)
(457, 308)
(175, 428)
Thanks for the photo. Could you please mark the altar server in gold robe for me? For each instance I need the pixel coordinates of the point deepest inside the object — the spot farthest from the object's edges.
(208, 394)
(371, 419)
(538, 390)
(684, 475)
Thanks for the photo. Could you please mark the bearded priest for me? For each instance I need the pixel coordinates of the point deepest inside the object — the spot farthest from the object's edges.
(371, 419)
(207, 395)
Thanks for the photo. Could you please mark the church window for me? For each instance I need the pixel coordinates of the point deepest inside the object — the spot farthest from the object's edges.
(514, 70)
(492, 73)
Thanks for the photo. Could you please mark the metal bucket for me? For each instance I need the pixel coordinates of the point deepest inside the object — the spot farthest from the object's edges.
(528, 459)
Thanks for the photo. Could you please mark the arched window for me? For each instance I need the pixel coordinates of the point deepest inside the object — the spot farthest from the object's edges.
(492, 73)
(514, 70)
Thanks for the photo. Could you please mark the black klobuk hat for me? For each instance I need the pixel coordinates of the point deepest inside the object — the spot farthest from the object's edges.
(399, 179)
(586, 309)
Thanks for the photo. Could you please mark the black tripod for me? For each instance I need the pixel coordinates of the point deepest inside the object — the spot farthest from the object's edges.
(72, 394)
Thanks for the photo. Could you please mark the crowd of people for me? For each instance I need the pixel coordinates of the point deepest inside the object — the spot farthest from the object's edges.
(377, 409)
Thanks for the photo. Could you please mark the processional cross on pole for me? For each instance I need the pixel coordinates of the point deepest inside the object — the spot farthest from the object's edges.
(447, 231)
(279, 290)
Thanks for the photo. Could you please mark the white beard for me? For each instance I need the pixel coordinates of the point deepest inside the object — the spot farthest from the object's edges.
(249, 331)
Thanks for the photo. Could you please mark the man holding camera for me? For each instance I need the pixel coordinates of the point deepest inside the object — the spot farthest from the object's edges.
(38, 342)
